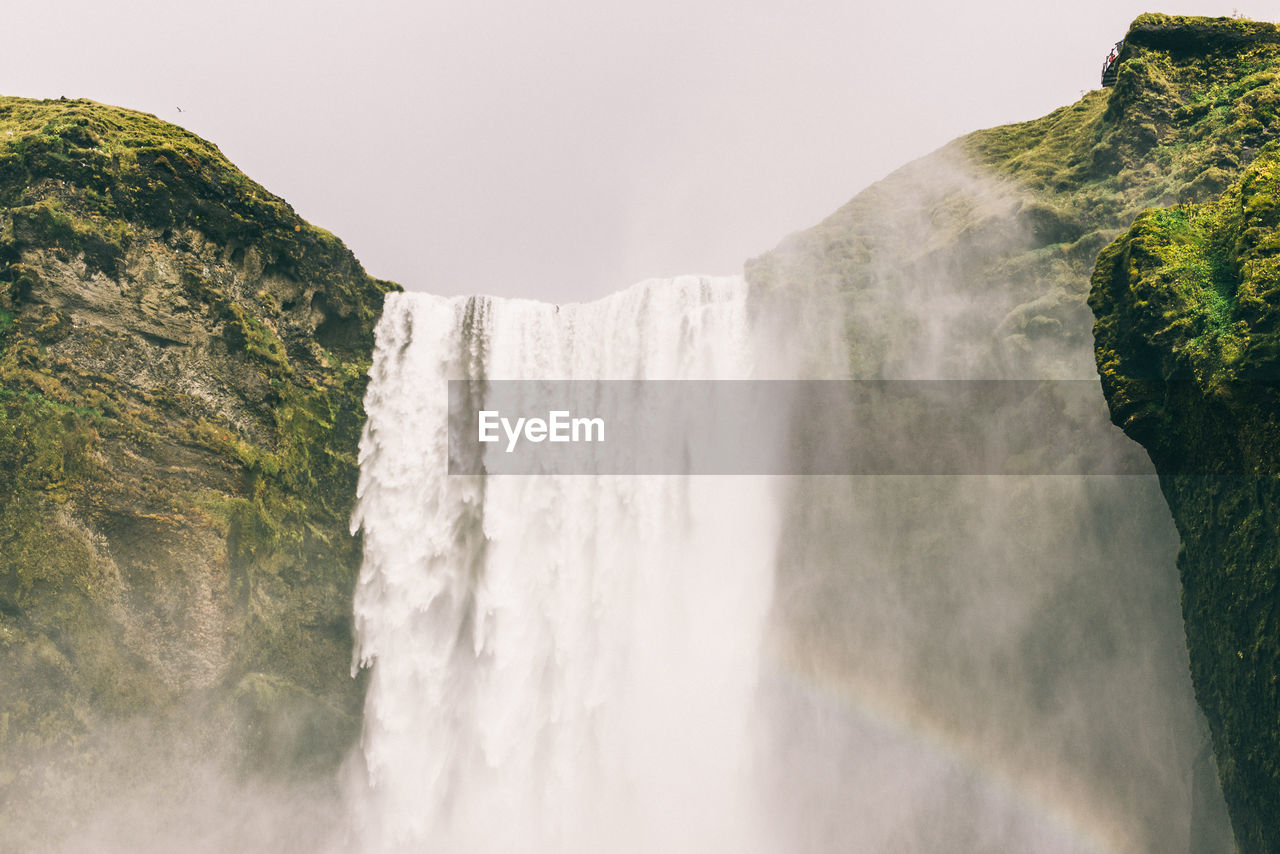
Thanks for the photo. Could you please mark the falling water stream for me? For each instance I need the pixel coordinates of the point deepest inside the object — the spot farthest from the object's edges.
(758, 665)
(559, 663)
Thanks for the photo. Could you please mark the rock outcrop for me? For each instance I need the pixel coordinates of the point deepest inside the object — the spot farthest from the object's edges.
(182, 362)
(1014, 218)
(1188, 347)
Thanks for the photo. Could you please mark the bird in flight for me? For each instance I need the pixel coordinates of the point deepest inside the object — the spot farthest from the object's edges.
(181, 110)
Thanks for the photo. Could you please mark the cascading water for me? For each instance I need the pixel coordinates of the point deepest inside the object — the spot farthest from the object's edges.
(559, 663)
(619, 664)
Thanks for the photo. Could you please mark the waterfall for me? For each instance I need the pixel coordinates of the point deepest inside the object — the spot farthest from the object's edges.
(559, 663)
(639, 663)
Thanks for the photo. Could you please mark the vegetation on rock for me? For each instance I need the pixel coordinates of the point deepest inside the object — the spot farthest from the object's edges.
(1015, 217)
(1188, 347)
(182, 363)
(1025, 208)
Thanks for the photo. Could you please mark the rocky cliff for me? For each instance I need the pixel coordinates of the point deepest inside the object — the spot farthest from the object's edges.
(977, 261)
(182, 361)
(1188, 347)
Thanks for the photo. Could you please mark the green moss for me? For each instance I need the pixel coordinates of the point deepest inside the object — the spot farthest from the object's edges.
(1021, 214)
(1188, 347)
(56, 635)
(49, 221)
(131, 171)
(257, 340)
(123, 500)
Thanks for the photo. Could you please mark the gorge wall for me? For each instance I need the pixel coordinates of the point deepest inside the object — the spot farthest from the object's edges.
(182, 360)
(1187, 308)
(975, 262)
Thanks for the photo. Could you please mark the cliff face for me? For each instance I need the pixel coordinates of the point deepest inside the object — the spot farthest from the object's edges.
(976, 262)
(182, 361)
(1188, 346)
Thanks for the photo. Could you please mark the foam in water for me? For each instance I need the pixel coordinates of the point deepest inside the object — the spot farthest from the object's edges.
(559, 663)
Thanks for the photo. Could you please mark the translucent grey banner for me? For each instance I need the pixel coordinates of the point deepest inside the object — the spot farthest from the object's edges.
(719, 427)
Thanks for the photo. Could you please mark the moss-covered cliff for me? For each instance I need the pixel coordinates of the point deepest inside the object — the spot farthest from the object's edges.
(1188, 346)
(182, 361)
(1019, 212)
(976, 262)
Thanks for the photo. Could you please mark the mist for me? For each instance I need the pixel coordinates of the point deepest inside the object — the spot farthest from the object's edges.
(987, 662)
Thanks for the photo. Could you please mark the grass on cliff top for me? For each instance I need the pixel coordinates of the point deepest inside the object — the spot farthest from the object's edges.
(1195, 101)
(73, 133)
(128, 169)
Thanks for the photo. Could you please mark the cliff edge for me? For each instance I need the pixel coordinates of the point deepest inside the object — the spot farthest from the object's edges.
(1187, 332)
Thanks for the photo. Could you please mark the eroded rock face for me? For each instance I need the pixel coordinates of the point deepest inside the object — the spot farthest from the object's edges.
(1188, 347)
(182, 361)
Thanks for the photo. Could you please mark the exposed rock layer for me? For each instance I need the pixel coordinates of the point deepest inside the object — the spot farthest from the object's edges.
(182, 361)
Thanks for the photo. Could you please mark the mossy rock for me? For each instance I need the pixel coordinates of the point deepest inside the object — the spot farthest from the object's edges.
(182, 366)
(1188, 347)
(1015, 217)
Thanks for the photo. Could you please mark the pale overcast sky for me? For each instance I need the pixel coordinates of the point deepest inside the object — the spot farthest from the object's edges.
(568, 148)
